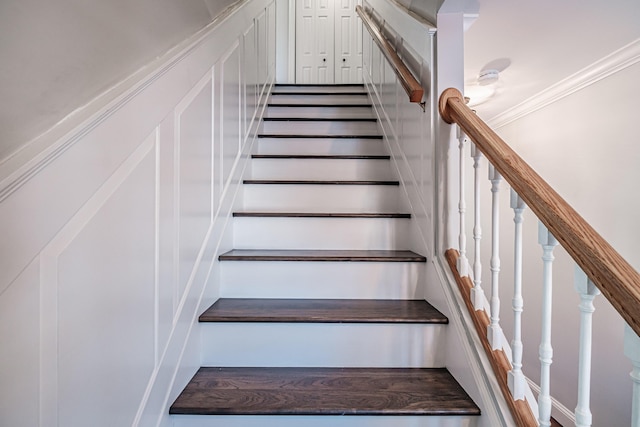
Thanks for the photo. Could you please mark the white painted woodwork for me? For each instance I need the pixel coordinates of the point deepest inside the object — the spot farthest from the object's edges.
(320, 112)
(516, 379)
(110, 236)
(323, 128)
(588, 292)
(321, 146)
(463, 262)
(305, 279)
(477, 293)
(311, 233)
(347, 42)
(323, 345)
(351, 88)
(332, 99)
(321, 198)
(328, 42)
(321, 421)
(632, 351)
(548, 243)
(494, 331)
(314, 41)
(321, 169)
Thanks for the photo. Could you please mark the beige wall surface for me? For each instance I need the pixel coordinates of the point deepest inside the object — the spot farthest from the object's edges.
(57, 56)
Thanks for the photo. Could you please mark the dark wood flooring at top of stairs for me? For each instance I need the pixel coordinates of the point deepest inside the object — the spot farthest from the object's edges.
(322, 311)
(324, 391)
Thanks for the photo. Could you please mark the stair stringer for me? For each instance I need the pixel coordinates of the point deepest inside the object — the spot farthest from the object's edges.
(470, 367)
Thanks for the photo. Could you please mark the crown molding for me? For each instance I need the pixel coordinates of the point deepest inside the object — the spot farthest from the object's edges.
(622, 58)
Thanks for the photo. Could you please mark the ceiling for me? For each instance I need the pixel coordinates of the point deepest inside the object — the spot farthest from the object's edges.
(535, 44)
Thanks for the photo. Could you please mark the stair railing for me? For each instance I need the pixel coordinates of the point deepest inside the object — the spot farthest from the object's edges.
(409, 83)
(599, 269)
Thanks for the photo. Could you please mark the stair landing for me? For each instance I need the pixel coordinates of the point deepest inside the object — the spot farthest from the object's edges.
(323, 391)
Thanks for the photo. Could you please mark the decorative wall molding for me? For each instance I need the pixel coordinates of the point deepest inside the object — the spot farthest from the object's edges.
(617, 61)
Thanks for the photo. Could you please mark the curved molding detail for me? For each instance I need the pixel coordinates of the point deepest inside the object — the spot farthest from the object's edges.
(617, 61)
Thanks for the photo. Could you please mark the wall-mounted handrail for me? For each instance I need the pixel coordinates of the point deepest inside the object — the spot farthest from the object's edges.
(407, 80)
(618, 281)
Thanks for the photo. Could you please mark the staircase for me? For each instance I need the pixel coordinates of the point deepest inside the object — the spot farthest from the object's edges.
(321, 313)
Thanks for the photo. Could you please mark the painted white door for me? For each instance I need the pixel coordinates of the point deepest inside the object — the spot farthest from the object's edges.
(314, 41)
(348, 42)
(328, 42)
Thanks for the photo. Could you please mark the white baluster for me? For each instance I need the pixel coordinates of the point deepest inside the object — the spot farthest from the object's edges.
(494, 332)
(632, 351)
(463, 262)
(516, 379)
(477, 294)
(548, 242)
(588, 292)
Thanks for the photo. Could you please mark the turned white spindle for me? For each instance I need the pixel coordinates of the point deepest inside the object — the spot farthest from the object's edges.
(477, 294)
(548, 242)
(494, 332)
(463, 262)
(632, 351)
(516, 379)
(588, 292)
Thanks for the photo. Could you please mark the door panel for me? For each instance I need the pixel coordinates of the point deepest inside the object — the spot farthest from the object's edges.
(348, 42)
(314, 41)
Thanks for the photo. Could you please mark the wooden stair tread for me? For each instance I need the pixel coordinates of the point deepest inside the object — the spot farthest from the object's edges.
(322, 311)
(319, 215)
(323, 104)
(312, 93)
(321, 255)
(319, 182)
(319, 119)
(323, 156)
(336, 136)
(323, 391)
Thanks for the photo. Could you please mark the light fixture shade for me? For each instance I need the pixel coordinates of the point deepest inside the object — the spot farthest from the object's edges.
(488, 77)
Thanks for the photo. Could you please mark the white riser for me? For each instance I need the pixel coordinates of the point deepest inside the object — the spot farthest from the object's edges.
(320, 99)
(321, 233)
(321, 169)
(322, 345)
(321, 146)
(303, 279)
(320, 112)
(324, 128)
(322, 421)
(321, 198)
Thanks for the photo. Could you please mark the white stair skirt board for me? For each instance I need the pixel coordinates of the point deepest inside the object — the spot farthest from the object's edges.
(321, 112)
(319, 100)
(322, 169)
(304, 279)
(321, 198)
(337, 345)
(323, 128)
(322, 421)
(320, 146)
(321, 233)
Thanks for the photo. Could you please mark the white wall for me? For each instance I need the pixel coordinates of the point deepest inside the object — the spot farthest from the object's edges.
(110, 240)
(58, 56)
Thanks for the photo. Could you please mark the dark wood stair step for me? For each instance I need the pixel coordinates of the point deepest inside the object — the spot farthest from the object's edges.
(276, 104)
(318, 215)
(323, 156)
(337, 136)
(313, 93)
(321, 255)
(323, 391)
(317, 182)
(319, 119)
(322, 311)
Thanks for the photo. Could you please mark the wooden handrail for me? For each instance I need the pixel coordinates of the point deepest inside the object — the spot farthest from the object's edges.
(408, 82)
(618, 281)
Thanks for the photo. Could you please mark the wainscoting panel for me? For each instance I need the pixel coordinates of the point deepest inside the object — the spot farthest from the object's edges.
(110, 237)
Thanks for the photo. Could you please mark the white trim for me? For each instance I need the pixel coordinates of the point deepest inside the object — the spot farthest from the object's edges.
(561, 413)
(617, 61)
